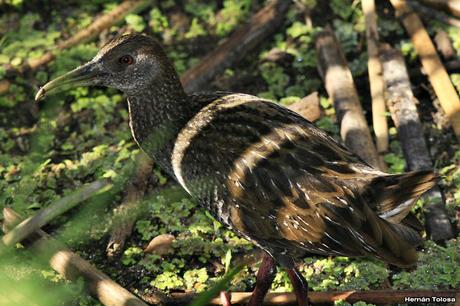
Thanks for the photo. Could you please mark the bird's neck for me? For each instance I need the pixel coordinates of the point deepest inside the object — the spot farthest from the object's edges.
(157, 114)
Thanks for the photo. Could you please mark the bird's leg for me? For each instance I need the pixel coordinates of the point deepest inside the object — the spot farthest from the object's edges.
(225, 298)
(300, 285)
(264, 279)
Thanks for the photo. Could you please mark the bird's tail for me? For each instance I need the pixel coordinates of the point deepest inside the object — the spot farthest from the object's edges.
(392, 196)
(389, 231)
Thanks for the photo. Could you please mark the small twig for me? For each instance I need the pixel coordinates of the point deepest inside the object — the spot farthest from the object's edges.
(47, 214)
(72, 267)
(451, 6)
(339, 84)
(431, 63)
(402, 105)
(126, 213)
(429, 13)
(305, 7)
(377, 85)
(244, 39)
(444, 45)
(453, 65)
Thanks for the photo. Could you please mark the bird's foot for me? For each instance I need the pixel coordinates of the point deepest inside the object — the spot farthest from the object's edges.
(300, 285)
(264, 279)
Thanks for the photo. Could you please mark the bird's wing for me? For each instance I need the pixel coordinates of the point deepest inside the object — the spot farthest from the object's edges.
(288, 185)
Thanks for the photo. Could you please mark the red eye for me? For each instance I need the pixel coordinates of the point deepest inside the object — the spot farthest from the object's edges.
(126, 60)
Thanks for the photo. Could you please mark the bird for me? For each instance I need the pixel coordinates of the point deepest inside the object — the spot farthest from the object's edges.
(261, 169)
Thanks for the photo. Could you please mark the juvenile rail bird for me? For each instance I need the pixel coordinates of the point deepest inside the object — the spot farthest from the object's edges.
(259, 168)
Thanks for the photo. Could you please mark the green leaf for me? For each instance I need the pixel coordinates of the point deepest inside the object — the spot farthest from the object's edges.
(298, 29)
(136, 22)
(228, 260)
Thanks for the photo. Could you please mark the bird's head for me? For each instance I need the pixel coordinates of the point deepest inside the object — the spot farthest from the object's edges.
(129, 63)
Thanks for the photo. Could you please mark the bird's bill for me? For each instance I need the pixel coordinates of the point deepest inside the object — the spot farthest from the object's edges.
(82, 76)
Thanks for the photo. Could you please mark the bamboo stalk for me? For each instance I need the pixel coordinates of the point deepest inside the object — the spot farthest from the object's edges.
(432, 65)
(44, 216)
(72, 267)
(402, 105)
(244, 39)
(377, 85)
(339, 84)
(370, 296)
